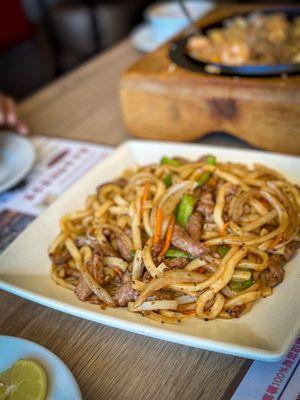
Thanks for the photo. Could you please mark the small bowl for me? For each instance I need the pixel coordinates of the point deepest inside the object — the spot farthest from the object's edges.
(166, 18)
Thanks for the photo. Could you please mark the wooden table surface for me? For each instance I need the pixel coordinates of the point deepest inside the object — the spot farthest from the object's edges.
(109, 363)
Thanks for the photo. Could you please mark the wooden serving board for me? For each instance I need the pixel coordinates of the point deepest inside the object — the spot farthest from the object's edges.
(161, 100)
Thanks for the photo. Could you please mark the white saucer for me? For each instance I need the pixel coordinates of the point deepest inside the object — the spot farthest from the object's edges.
(17, 156)
(143, 38)
(61, 384)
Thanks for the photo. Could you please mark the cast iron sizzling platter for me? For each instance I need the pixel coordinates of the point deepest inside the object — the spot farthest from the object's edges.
(180, 56)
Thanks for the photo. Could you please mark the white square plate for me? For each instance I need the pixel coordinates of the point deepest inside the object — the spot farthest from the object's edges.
(264, 334)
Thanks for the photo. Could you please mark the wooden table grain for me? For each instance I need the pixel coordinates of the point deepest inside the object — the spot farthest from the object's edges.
(109, 364)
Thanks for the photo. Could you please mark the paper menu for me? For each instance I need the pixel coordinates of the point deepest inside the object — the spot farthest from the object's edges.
(59, 164)
(272, 381)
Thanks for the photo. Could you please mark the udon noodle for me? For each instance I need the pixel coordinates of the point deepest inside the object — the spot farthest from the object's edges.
(180, 239)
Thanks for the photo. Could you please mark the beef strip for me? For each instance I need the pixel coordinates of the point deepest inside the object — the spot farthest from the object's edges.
(125, 294)
(128, 232)
(82, 290)
(123, 248)
(96, 268)
(184, 242)
(86, 241)
(108, 250)
(156, 248)
(290, 249)
(60, 256)
(194, 226)
(147, 277)
(274, 273)
(176, 262)
(206, 204)
(105, 249)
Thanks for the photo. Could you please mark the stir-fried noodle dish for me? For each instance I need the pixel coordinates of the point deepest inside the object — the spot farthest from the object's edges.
(180, 239)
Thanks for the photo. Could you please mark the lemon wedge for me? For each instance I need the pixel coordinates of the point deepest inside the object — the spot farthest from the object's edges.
(25, 380)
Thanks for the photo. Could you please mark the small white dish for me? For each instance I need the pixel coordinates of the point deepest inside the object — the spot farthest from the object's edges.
(164, 20)
(61, 384)
(265, 333)
(143, 38)
(17, 156)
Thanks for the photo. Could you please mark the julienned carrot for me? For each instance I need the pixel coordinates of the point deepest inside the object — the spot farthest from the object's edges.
(118, 271)
(169, 235)
(158, 226)
(145, 195)
(224, 229)
(275, 241)
(265, 203)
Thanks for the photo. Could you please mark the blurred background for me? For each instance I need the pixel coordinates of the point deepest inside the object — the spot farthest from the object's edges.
(42, 39)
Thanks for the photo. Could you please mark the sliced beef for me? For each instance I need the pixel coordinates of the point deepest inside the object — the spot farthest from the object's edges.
(71, 272)
(290, 249)
(147, 277)
(182, 241)
(82, 290)
(90, 241)
(156, 248)
(194, 226)
(206, 205)
(81, 241)
(60, 256)
(176, 262)
(126, 277)
(128, 232)
(125, 294)
(274, 273)
(108, 250)
(96, 268)
(105, 249)
(123, 247)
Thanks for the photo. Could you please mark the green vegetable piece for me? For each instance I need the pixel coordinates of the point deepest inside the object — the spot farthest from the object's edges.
(185, 209)
(170, 161)
(132, 253)
(204, 178)
(168, 180)
(236, 286)
(222, 250)
(174, 253)
(211, 160)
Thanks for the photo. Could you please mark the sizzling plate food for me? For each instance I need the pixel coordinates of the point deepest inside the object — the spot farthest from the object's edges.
(257, 39)
(180, 239)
